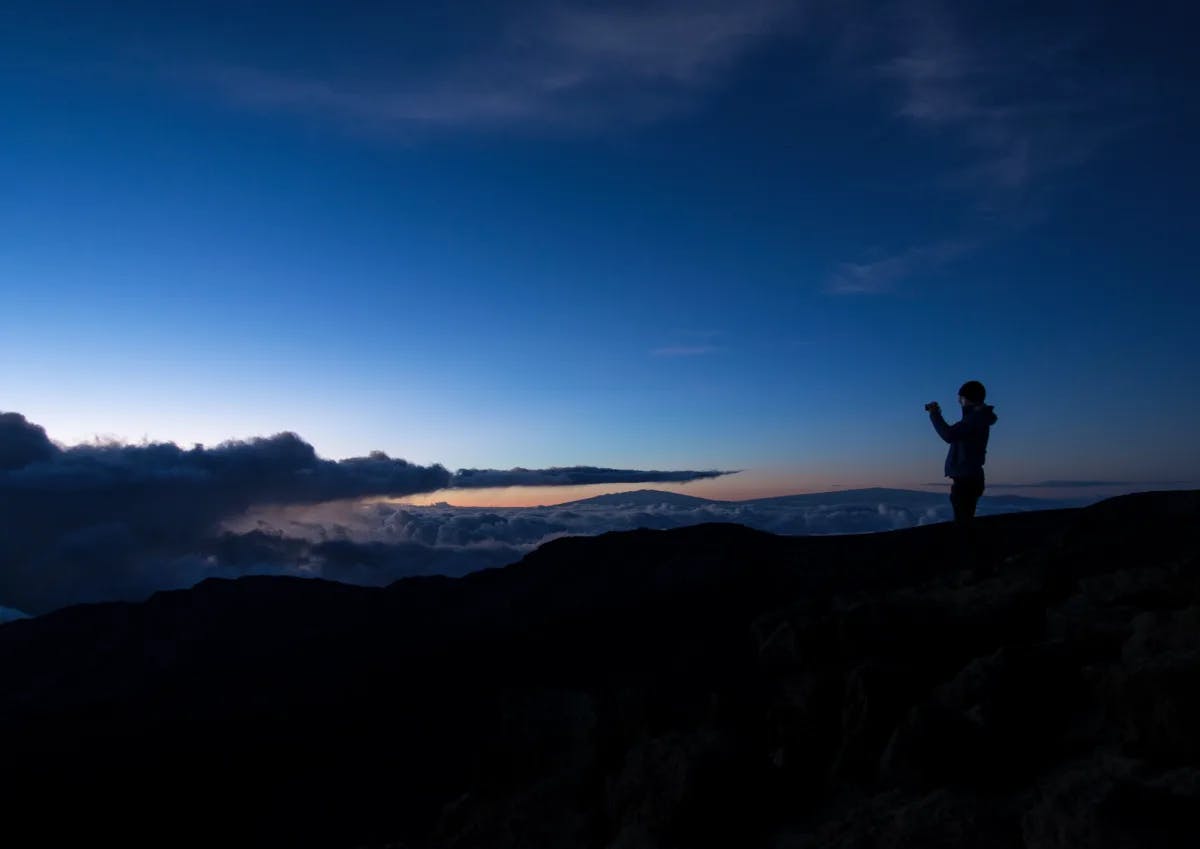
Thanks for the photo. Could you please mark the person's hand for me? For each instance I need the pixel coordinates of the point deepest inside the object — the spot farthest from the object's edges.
(933, 407)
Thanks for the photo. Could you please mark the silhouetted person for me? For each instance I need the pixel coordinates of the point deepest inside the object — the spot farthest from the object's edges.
(968, 440)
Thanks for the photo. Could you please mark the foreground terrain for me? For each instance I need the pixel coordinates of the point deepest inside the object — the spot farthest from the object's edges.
(705, 686)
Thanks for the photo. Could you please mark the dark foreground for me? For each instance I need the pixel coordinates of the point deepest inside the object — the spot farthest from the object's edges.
(710, 686)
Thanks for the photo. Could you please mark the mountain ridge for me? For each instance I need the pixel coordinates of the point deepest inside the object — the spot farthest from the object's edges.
(656, 496)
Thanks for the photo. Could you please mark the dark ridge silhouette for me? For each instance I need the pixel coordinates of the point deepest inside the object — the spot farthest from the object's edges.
(706, 686)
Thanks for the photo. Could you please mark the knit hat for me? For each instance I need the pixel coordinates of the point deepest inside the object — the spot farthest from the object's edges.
(973, 391)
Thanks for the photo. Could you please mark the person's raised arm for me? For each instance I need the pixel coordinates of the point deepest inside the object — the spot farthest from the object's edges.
(948, 432)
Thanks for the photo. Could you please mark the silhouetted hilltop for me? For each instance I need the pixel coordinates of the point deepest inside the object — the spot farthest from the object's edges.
(706, 686)
(642, 497)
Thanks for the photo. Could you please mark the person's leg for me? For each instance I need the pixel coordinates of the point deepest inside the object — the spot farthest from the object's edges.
(975, 544)
(974, 490)
(960, 501)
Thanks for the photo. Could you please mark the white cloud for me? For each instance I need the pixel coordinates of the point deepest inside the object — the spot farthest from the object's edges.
(459, 531)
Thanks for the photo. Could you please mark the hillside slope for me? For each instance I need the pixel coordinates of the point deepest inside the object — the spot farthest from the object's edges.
(707, 686)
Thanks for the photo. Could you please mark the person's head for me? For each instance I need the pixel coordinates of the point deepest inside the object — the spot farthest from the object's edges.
(971, 393)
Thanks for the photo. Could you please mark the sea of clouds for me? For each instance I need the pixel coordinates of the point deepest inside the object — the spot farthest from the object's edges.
(377, 543)
(104, 522)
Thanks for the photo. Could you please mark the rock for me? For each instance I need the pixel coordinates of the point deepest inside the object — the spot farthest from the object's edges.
(877, 695)
(1156, 689)
(1111, 803)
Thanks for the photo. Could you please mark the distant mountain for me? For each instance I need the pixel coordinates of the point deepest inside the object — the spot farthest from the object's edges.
(642, 498)
(912, 498)
(8, 614)
(700, 687)
(875, 495)
(838, 512)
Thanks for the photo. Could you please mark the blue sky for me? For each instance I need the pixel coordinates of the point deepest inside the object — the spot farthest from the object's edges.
(755, 235)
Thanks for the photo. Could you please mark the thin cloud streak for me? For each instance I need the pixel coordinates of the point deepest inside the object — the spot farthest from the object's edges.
(883, 275)
(571, 476)
(1015, 101)
(568, 65)
(684, 350)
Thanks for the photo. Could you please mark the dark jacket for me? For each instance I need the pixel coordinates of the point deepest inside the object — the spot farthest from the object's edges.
(968, 440)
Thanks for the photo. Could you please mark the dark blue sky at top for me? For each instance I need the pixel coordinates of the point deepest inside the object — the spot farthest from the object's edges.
(749, 235)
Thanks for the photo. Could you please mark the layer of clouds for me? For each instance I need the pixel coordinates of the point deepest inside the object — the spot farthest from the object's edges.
(1014, 94)
(376, 543)
(112, 521)
(851, 511)
(1014, 103)
(566, 63)
(570, 476)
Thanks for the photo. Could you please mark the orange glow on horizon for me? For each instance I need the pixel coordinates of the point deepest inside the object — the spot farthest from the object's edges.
(741, 486)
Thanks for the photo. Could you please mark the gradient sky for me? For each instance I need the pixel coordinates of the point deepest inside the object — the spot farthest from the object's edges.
(746, 235)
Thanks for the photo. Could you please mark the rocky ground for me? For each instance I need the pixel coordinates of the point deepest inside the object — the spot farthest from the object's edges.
(1037, 686)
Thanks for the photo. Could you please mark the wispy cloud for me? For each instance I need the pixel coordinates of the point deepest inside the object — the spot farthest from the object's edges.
(1014, 107)
(572, 476)
(1017, 100)
(684, 350)
(566, 65)
(878, 276)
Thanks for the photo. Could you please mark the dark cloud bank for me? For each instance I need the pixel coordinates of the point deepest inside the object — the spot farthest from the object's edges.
(115, 521)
